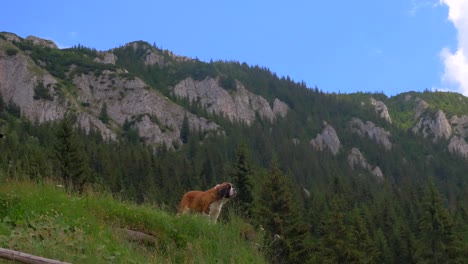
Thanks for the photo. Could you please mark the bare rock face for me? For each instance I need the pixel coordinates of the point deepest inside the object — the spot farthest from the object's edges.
(459, 125)
(88, 122)
(157, 119)
(381, 110)
(458, 145)
(42, 42)
(280, 108)
(11, 36)
(42, 98)
(372, 131)
(420, 107)
(19, 77)
(435, 125)
(357, 159)
(152, 58)
(239, 105)
(155, 56)
(106, 58)
(328, 139)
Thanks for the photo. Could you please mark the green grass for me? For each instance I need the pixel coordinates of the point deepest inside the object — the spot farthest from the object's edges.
(44, 220)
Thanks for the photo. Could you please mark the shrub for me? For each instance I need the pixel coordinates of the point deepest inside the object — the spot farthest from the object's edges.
(41, 92)
(11, 51)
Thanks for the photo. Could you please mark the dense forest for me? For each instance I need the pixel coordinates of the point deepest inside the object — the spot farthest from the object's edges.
(310, 205)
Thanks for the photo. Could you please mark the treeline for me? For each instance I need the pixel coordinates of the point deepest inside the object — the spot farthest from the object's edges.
(309, 206)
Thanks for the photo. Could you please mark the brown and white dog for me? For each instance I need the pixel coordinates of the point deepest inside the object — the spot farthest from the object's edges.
(209, 202)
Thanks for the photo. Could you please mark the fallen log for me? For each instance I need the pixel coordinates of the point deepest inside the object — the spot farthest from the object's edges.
(137, 236)
(26, 258)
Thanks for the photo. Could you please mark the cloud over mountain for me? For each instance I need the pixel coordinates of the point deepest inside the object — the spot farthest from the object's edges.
(456, 63)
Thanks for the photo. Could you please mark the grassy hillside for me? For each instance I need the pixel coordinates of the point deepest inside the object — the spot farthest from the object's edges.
(42, 219)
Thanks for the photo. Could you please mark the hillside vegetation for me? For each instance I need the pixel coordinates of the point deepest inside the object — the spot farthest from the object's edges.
(328, 178)
(44, 220)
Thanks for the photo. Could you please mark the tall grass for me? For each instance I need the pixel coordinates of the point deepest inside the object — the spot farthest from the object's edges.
(44, 220)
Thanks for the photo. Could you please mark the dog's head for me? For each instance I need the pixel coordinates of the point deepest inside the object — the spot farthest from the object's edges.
(226, 190)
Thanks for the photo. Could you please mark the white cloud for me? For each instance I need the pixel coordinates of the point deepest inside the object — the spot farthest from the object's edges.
(416, 5)
(456, 63)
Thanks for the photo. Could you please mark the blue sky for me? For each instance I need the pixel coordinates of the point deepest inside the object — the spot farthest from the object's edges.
(392, 46)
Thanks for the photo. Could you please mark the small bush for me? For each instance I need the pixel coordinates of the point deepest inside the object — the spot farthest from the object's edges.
(41, 92)
(11, 51)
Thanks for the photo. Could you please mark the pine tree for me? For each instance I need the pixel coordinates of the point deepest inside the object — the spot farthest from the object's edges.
(71, 160)
(277, 212)
(241, 175)
(2, 103)
(335, 244)
(438, 241)
(185, 130)
(103, 115)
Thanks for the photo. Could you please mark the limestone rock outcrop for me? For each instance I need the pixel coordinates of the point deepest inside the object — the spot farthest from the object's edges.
(382, 110)
(435, 125)
(239, 105)
(356, 159)
(369, 129)
(131, 100)
(41, 97)
(327, 140)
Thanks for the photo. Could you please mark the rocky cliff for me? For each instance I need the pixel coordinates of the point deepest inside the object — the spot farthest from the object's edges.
(239, 105)
(20, 76)
(357, 160)
(132, 100)
(127, 98)
(44, 83)
(370, 130)
(327, 140)
(381, 110)
(435, 125)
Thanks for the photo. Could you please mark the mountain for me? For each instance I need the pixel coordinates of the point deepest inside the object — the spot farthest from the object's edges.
(152, 124)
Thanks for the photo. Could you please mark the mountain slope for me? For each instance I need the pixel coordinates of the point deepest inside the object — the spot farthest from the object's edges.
(151, 125)
(43, 220)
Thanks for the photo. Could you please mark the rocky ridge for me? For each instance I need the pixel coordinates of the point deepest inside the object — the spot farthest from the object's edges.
(19, 76)
(239, 105)
(381, 109)
(436, 125)
(153, 56)
(327, 140)
(157, 119)
(369, 129)
(357, 159)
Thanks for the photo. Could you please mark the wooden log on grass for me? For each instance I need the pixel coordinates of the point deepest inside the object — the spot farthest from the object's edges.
(137, 236)
(26, 258)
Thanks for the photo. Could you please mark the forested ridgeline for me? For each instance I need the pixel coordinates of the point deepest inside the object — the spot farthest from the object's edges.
(310, 205)
(339, 216)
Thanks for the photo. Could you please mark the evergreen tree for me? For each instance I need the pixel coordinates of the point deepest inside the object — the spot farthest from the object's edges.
(69, 154)
(336, 241)
(185, 130)
(437, 242)
(2, 103)
(277, 212)
(103, 115)
(241, 175)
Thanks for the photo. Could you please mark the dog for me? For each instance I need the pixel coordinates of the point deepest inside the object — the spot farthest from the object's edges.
(208, 202)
